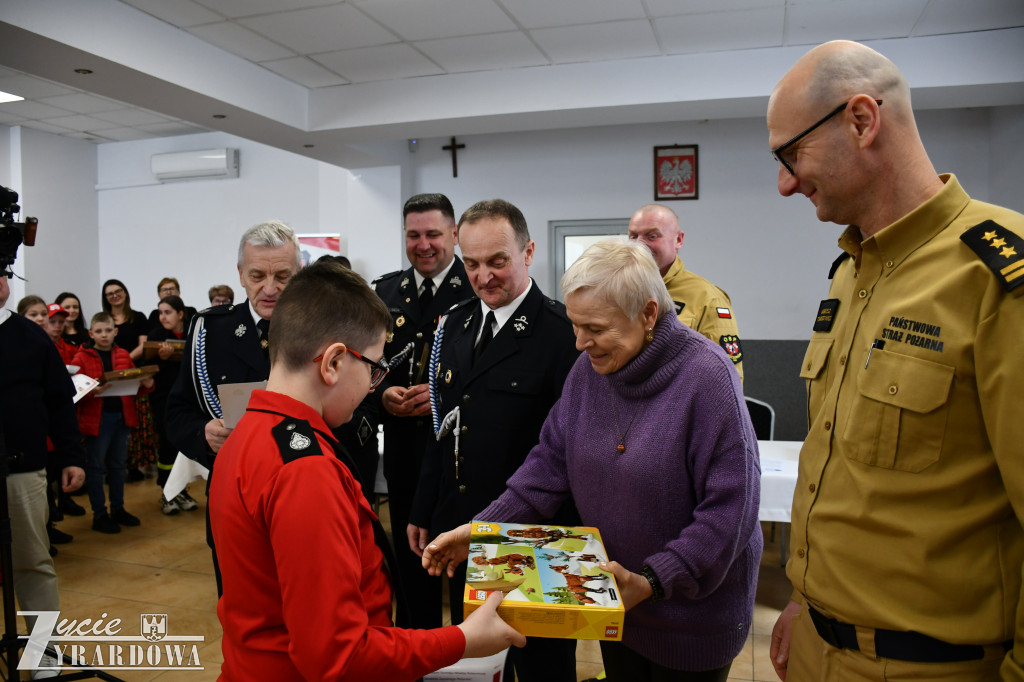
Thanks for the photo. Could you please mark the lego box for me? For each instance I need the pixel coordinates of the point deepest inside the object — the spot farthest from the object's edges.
(551, 580)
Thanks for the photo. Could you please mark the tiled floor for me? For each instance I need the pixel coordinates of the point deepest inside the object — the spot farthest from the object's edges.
(164, 567)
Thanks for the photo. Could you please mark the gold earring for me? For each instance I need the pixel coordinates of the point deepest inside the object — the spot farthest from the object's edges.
(650, 335)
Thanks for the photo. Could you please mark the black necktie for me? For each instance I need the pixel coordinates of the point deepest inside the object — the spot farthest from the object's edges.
(486, 337)
(428, 294)
(263, 328)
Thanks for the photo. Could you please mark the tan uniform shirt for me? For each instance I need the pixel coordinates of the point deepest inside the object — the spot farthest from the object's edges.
(908, 506)
(706, 309)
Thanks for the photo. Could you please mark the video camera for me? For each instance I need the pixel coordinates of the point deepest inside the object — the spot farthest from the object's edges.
(12, 233)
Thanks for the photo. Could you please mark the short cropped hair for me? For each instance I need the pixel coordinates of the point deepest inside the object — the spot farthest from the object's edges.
(168, 280)
(101, 316)
(499, 208)
(623, 274)
(29, 301)
(421, 203)
(339, 259)
(324, 303)
(222, 290)
(271, 234)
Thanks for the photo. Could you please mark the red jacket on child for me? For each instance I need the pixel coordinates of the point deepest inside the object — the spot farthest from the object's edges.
(90, 407)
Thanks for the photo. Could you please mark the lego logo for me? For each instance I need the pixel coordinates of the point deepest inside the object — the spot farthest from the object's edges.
(611, 631)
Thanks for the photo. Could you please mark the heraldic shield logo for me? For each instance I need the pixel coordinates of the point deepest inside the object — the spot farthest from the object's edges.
(154, 626)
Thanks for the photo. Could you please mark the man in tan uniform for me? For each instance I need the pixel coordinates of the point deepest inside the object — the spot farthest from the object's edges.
(700, 305)
(907, 543)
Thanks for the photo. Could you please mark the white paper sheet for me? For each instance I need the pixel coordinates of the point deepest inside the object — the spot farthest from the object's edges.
(183, 472)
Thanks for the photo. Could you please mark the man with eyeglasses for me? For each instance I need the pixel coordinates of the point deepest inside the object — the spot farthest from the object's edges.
(229, 345)
(700, 305)
(907, 539)
(502, 361)
(168, 286)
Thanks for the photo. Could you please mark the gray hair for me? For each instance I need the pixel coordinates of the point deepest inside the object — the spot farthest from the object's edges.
(270, 234)
(622, 273)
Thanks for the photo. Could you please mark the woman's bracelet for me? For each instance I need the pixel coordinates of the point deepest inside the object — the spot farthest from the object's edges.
(657, 591)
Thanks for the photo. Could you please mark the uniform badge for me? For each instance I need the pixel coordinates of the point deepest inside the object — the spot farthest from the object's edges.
(405, 282)
(520, 323)
(724, 313)
(465, 325)
(264, 343)
(240, 332)
(1000, 249)
(826, 315)
(679, 305)
(298, 441)
(456, 281)
(731, 345)
(391, 336)
(400, 321)
(448, 377)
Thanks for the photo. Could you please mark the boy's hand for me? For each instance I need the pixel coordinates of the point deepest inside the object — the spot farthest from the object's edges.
(216, 434)
(72, 478)
(447, 550)
(486, 633)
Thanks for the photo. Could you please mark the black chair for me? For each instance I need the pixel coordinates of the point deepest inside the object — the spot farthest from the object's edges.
(762, 416)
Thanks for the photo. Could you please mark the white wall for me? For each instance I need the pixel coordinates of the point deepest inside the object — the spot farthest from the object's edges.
(55, 178)
(1007, 167)
(768, 252)
(190, 230)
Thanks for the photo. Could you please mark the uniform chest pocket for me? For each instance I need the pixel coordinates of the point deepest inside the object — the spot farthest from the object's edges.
(899, 414)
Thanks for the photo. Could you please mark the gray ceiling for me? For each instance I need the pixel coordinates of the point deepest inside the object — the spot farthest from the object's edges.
(295, 73)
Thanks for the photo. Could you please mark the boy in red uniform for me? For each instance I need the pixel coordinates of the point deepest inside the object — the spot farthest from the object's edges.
(106, 424)
(307, 594)
(55, 328)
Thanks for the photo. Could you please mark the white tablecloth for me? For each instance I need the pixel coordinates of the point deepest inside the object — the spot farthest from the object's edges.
(778, 478)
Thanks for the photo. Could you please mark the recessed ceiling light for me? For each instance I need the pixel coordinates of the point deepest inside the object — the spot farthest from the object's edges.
(8, 97)
(84, 72)
(219, 116)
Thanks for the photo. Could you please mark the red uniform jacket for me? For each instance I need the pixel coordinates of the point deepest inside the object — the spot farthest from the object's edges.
(90, 408)
(306, 593)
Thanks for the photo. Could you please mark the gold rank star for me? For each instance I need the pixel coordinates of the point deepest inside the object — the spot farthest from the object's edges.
(1008, 251)
(989, 236)
(998, 243)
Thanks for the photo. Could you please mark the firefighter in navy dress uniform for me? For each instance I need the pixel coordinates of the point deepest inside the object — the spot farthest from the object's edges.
(415, 306)
(228, 344)
(502, 361)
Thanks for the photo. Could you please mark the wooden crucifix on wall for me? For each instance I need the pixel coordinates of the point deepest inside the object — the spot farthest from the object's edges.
(455, 162)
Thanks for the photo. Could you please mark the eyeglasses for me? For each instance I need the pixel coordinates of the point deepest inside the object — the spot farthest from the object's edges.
(113, 292)
(778, 152)
(379, 369)
(168, 290)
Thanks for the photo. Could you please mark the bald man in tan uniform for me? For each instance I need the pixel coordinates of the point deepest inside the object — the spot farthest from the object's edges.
(907, 543)
(700, 305)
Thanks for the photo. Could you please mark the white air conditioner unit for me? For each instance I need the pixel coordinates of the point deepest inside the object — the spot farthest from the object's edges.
(196, 165)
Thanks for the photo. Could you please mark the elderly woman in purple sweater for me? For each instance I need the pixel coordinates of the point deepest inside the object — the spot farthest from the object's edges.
(652, 439)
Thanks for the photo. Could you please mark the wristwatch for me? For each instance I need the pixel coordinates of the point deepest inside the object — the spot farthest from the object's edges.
(657, 591)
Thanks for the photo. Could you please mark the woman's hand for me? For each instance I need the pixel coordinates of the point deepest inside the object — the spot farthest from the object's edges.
(633, 586)
(165, 350)
(486, 633)
(447, 550)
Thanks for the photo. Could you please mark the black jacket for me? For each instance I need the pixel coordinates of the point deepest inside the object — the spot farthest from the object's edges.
(504, 398)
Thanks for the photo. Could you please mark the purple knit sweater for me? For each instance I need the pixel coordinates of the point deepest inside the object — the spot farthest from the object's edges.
(682, 498)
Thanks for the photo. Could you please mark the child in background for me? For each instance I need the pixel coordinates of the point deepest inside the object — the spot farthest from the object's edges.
(173, 317)
(55, 328)
(34, 308)
(105, 423)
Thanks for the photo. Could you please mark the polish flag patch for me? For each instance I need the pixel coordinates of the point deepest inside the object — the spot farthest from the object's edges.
(724, 313)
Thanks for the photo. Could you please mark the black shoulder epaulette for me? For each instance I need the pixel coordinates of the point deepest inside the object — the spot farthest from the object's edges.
(461, 304)
(295, 439)
(1000, 249)
(387, 275)
(217, 310)
(836, 263)
(556, 307)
